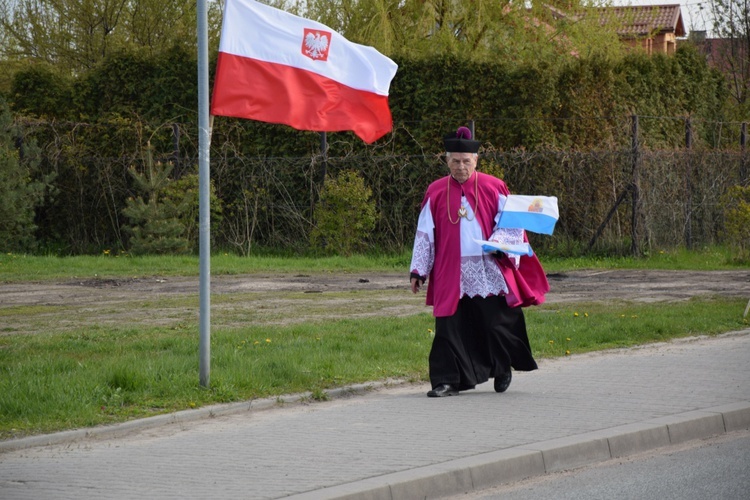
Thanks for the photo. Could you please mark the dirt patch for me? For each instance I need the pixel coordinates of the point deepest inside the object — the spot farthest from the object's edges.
(280, 298)
(588, 285)
(646, 285)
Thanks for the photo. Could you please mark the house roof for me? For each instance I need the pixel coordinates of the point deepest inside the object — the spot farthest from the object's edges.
(643, 20)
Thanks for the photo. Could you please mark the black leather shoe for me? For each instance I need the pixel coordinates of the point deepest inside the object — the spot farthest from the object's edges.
(502, 382)
(443, 390)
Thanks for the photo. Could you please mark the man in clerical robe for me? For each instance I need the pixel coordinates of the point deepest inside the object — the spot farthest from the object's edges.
(477, 296)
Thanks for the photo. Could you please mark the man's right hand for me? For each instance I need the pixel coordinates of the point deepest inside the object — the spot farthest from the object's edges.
(415, 284)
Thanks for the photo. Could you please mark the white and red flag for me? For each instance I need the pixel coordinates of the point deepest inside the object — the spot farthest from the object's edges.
(280, 68)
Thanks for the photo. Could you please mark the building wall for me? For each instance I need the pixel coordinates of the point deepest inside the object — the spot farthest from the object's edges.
(663, 43)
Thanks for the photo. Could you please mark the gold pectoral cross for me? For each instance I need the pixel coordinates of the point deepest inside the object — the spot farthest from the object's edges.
(463, 212)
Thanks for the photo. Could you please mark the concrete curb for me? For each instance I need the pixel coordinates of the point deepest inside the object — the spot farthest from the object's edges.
(185, 416)
(513, 464)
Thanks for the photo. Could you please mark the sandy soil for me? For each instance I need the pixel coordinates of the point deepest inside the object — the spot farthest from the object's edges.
(589, 285)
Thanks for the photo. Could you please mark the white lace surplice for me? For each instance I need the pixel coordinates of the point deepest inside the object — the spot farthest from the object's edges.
(423, 253)
(480, 273)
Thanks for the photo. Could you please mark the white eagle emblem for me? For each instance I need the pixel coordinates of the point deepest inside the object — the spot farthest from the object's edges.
(315, 44)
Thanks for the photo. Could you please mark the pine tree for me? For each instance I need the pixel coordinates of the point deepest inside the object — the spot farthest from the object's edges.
(20, 194)
(155, 221)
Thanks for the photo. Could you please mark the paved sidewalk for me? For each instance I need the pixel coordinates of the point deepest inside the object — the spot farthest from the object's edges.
(394, 442)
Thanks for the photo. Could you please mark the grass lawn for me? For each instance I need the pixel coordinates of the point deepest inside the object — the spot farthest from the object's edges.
(78, 370)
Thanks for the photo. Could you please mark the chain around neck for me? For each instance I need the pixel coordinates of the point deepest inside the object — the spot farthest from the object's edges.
(462, 212)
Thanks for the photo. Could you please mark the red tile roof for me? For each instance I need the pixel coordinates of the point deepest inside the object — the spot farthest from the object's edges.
(643, 20)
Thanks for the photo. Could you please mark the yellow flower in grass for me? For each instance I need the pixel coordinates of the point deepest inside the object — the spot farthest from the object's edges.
(268, 341)
(575, 314)
(551, 342)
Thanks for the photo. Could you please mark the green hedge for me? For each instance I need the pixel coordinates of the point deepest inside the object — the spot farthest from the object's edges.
(563, 130)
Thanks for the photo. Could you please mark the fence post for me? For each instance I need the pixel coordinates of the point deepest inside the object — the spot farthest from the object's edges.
(19, 146)
(176, 149)
(688, 183)
(634, 245)
(743, 157)
(324, 172)
(324, 153)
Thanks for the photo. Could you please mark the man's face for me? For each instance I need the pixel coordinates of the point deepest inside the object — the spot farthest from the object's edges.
(462, 165)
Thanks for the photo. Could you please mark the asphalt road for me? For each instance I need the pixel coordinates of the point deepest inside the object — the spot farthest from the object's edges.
(717, 468)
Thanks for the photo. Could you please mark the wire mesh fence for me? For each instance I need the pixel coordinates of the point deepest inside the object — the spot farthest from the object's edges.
(649, 182)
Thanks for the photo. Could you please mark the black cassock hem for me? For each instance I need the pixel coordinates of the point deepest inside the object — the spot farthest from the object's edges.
(483, 339)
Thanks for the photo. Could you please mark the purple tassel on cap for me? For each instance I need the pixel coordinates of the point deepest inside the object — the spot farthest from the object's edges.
(460, 141)
(463, 133)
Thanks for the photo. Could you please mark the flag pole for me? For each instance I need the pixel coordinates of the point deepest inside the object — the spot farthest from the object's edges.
(204, 199)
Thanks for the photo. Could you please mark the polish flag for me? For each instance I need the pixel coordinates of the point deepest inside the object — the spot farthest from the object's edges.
(280, 68)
